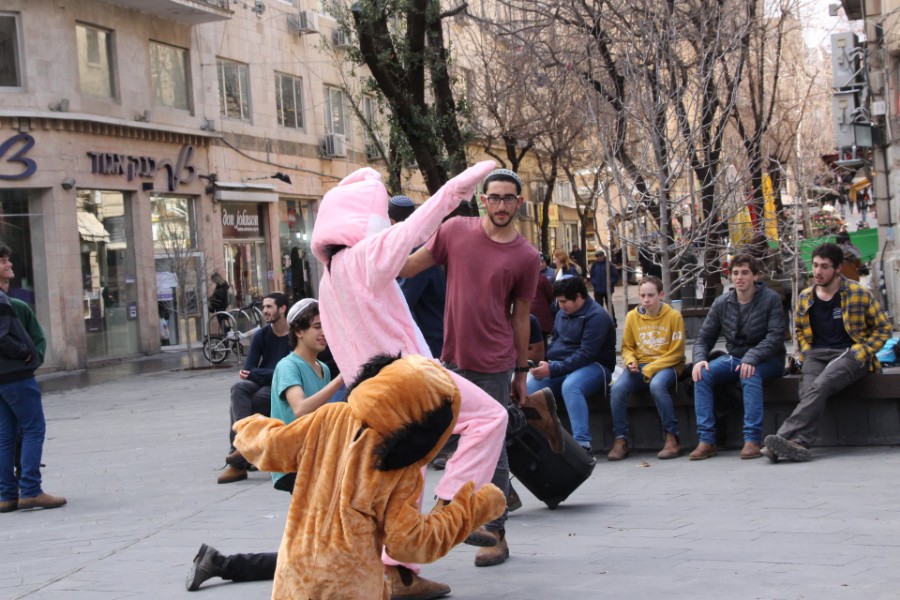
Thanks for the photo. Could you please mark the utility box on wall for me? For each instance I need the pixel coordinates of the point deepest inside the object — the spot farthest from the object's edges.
(845, 64)
(843, 112)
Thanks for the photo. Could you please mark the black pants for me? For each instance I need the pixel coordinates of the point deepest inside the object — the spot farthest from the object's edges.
(250, 567)
(602, 299)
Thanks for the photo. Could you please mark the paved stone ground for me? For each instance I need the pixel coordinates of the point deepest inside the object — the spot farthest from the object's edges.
(137, 458)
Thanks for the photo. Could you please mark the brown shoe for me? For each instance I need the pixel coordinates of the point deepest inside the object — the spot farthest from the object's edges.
(482, 537)
(493, 555)
(44, 500)
(540, 412)
(237, 460)
(9, 505)
(619, 450)
(750, 450)
(703, 451)
(513, 502)
(406, 585)
(232, 474)
(671, 449)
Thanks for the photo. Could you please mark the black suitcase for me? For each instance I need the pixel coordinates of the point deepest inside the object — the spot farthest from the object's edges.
(549, 476)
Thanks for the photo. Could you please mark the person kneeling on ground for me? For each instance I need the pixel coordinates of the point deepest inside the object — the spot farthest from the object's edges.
(653, 352)
(581, 357)
(840, 327)
(300, 385)
(752, 321)
(359, 480)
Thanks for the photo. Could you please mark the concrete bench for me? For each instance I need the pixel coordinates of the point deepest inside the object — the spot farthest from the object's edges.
(866, 413)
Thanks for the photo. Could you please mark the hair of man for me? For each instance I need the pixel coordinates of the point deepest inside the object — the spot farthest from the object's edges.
(653, 280)
(748, 260)
(503, 175)
(569, 288)
(830, 252)
(281, 300)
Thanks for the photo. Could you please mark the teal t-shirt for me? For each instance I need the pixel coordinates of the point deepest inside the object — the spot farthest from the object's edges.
(290, 371)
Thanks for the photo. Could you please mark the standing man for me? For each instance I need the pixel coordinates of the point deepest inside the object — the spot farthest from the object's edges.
(752, 321)
(252, 393)
(653, 352)
(840, 327)
(22, 346)
(581, 357)
(425, 293)
(602, 288)
(492, 276)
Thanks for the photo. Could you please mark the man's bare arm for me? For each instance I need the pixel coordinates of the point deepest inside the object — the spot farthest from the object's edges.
(417, 262)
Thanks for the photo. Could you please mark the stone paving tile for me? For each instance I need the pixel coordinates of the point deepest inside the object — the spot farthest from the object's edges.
(138, 458)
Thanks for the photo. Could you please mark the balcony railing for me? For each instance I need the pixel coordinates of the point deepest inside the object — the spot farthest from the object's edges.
(191, 12)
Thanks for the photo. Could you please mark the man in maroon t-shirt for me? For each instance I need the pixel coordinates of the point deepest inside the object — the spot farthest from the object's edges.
(492, 274)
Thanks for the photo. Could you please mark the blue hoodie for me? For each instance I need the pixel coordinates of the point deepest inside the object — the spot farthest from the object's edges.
(586, 336)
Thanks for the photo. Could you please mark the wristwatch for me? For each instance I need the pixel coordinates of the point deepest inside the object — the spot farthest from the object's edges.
(522, 369)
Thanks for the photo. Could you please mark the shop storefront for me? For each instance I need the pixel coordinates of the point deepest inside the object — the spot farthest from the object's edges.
(300, 269)
(245, 243)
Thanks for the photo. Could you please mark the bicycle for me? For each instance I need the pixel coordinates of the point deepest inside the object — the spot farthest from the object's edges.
(216, 346)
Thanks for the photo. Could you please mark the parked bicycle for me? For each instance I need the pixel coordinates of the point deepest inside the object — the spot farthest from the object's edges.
(225, 336)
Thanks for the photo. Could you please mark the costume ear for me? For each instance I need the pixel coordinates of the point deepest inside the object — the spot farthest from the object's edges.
(361, 175)
(415, 440)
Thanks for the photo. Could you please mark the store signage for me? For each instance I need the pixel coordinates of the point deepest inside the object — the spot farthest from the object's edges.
(9, 153)
(240, 220)
(181, 171)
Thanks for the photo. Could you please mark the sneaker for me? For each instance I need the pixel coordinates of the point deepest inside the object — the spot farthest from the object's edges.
(496, 554)
(439, 462)
(619, 450)
(43, 500)
(482, 537)
(703, 451)
(232, 474)
(789, 449)
(205, 566)
(769, 454)
(406, 585)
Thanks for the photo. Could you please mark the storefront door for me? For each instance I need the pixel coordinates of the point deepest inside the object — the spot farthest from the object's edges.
(109, 280)
(246, 265)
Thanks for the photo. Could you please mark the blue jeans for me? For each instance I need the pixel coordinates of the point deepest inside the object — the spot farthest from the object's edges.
(575, 388)
(659, 386)
(721, 371)
(20, 407)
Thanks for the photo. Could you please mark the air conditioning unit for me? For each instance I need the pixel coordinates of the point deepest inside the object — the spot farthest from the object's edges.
(342, 39)
(335, 146)
(526, 211)
(306, 21)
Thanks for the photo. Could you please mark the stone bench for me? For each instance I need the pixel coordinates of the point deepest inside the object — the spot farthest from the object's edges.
(866, 413)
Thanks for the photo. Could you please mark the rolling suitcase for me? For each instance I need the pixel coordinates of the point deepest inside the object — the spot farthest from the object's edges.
(549, 476)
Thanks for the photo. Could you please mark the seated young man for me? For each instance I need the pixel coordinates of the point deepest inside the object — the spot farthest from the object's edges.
(752, 321)
(840, 327)
(300, 385)
(581, 357)
(653, 352)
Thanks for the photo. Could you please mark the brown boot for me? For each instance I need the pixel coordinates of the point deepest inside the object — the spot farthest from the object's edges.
(496, 554)
(406, 585)
(482, 537)
(703, 451)
(232, 474)
(43, 500)
(672, 447)
(237, 460)
(540, 412)
(9, 505)
(750, 450)
(619, 450)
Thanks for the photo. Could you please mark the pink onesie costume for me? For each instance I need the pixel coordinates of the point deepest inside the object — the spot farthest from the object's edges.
(364, 312)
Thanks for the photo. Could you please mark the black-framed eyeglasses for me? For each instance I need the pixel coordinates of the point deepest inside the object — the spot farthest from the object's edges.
(508, 199)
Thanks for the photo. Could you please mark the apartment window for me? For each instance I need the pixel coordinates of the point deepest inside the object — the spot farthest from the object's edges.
(169, 70)
(331, 7)
(10, 70)
(289, 100)
(370, 113)
(234, 89)
(95, 60)
(334, 111)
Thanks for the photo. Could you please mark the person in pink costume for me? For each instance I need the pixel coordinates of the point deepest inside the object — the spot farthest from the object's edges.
(364, 313)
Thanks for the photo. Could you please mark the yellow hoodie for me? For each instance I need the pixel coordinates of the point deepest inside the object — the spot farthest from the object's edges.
(656, 342)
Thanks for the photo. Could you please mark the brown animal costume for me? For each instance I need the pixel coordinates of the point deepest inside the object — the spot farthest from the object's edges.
(359, 481)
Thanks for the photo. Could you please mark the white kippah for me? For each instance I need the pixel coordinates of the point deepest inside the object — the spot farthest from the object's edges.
(506, 172)
(299, 307)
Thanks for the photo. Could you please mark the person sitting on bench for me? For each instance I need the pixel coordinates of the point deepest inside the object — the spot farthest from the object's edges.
(840, 327)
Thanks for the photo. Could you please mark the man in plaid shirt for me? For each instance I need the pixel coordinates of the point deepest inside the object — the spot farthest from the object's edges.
(840, 327)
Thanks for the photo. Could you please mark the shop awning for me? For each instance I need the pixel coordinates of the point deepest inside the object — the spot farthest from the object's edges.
(244, 192)
(90, 228)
